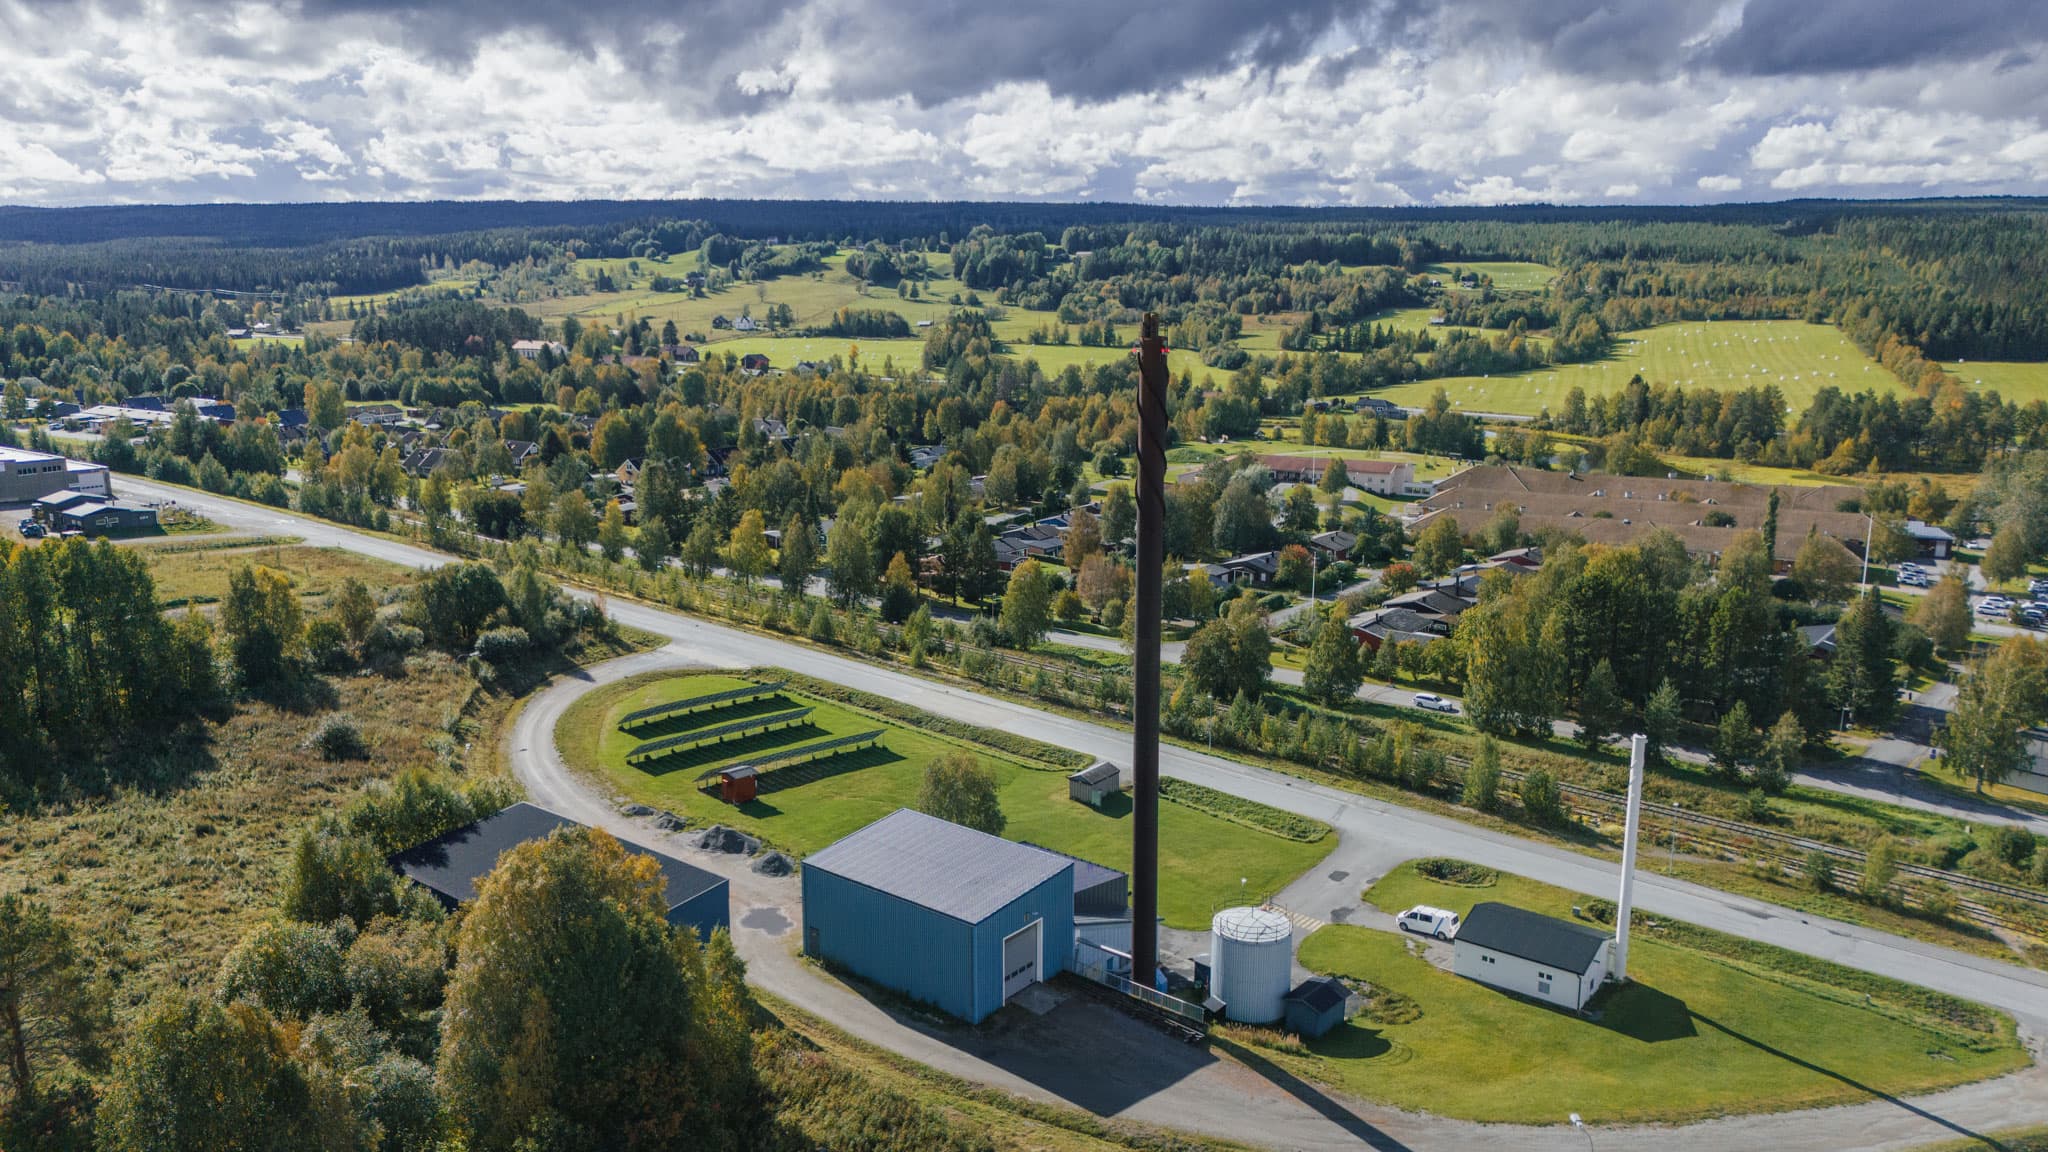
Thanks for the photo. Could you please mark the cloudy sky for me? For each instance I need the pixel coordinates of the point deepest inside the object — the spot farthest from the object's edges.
(1202, 101)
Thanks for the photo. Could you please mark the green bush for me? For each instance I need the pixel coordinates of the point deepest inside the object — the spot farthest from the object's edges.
(338, 738)
(1238, 810)
(1541, 798)
(1461, 873)
(500, 645)
(2014, 846)
(1818, 870)
(327, 645)
(287, 968)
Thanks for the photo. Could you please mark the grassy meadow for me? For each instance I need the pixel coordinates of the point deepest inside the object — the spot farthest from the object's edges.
(1799, 358)
(2012, 380)
(1201, 859)
(1507, 275)
(1727, 1027)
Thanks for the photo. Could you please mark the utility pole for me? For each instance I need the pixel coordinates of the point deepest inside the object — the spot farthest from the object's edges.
(1152, 382)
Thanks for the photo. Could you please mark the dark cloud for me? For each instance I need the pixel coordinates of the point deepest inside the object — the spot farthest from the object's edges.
(929, 50)
(1652, 39)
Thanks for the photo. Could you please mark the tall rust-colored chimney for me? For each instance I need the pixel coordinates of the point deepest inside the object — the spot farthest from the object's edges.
(1152, 381)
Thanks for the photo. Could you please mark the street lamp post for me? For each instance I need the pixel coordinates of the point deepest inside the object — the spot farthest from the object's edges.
(1583, 1130)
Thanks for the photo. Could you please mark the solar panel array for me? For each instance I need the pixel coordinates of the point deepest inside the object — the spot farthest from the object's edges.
(738, 727)
(631, 719)
(806, 751)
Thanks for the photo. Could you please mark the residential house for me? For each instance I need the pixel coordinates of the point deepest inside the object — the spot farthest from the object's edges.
(1334, 545)
(1381, 477)
(521, 452)
(627, 472)
(375, 415)
(753, 363)
(1934, 543)
(745, 324)
(926, 455)
(1255, 568)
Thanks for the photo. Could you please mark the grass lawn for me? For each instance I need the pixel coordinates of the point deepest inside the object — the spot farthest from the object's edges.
(1798, 357)
(1699, 1033)
(2011, 379)
(1201, 856)
(1507, 275)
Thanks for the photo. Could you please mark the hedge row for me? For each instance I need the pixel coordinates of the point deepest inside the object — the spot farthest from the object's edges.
(1238, 810)
(1023, 747)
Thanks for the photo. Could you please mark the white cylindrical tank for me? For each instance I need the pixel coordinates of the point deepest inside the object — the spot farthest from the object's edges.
(1251, 963)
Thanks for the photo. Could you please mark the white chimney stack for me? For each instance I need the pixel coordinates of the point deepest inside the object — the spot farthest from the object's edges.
(1638, 746)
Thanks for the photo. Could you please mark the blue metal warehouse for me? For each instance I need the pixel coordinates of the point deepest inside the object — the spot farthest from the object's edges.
(450, 865)
(956, 918)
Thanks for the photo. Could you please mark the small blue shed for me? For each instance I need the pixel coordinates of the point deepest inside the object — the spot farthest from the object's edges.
(1315, 1006)
(944, 914)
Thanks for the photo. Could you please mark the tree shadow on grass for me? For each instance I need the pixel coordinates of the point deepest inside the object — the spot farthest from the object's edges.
(1906, 1105)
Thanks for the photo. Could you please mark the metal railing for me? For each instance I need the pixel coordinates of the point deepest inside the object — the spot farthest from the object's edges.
(1191, 1015)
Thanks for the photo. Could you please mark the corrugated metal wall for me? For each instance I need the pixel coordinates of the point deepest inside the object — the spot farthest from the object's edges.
(941, 961)
(707, 911)
(1053, 902)
(896, 944)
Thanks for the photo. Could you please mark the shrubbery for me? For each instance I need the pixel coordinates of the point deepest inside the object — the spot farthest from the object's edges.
(338, 738)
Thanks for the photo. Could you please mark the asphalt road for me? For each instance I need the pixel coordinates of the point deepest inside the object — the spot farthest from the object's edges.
(1362, 821)
(1373, 834)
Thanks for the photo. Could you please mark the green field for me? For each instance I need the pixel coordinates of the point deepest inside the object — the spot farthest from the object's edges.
(1202, 857)
(1741, 1029)
(1799, 358)
(1508, 275)
(2013, 380)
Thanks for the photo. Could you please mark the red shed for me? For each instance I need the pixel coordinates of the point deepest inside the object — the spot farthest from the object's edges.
(738, 784)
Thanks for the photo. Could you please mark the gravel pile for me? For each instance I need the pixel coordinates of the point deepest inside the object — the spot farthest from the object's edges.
(719, 838)
(774, 864)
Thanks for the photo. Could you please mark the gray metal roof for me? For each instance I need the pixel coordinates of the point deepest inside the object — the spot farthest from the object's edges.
(1532, 936)
(450, 864)
(1100, 772)
(939, 865)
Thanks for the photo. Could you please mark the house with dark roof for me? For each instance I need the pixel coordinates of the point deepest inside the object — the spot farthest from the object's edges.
(1315, 1006)
(754, 363)
(451, 864)
(1533, 955)
(1335, 544)
(946, 915)
(1254, 568)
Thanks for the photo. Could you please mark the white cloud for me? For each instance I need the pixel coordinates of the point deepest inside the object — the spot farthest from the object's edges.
(166, 102)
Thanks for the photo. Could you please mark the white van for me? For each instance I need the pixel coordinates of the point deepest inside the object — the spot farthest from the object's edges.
(1426, 921)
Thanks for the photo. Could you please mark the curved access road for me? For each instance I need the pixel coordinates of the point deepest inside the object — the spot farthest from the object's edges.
(1374, 835)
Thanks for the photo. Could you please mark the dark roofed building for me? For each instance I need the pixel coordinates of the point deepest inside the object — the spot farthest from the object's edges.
(1315, 1006)
(1538, 956)
(1095, 783)
(450, 865)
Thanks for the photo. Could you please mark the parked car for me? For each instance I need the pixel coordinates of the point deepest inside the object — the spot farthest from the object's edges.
(1912, 580)
(30, 530)
(1434, 702)
(1426, 921)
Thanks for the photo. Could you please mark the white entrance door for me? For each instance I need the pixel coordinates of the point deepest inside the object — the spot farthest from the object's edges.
(1020, 959)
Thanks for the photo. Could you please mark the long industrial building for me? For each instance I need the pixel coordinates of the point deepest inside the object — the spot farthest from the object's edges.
(27, 476)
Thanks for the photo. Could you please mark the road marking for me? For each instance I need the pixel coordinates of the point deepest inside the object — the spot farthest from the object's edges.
(1305, 924)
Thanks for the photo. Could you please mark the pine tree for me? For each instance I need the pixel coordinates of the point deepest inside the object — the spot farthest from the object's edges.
(1661, 716)
(1332, 673)
(1602, 711)
(1864, 674)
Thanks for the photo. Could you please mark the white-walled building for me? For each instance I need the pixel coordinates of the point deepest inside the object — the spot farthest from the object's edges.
(1537, 956)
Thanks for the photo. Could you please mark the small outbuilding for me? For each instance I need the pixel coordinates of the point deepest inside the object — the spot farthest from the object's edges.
(450, 865)
(1538, 956)
(94, 518)
(1315, 1006)
(946, 915)
(739, 783)
(1095, 783)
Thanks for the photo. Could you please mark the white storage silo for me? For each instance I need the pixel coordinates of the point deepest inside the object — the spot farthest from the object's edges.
(1251, 957)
